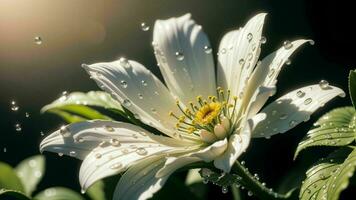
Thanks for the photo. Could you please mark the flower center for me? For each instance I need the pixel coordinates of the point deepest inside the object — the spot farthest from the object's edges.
(211, 119)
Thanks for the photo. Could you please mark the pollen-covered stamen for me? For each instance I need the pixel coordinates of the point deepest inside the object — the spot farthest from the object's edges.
(214, 116)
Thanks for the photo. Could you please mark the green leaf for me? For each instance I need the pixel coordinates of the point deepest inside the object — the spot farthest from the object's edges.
(77, 103)
(68, 117)
(329, 176)
(58, 193)
(336, 128)
(12, 194)
(8, 178)
(30, 171)
(96, 191)
(352, 87)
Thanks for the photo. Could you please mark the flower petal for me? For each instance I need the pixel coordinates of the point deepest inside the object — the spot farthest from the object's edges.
(138, 90)
(293, 108)
(174, 163)
(265, 75)
(238, 53)
(185, 58)
(140, 181)
(238, 144)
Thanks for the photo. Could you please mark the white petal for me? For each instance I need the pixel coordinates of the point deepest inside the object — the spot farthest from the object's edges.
(187, 68)
(174, 163)
(293, 108)
(266, 73)
(238, 144)
(140, 181)
(138, 90)
(238, 53)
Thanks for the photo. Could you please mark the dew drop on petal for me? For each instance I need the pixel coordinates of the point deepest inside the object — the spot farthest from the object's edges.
(124, 62)
(38, 40)
(123, 84)
(324, 84)
(115, 142)
(144, 26)
(116, 166)
(141, 151)
(263, 40)
(288, 62)
(287, 44)
(311, 42)
(140, 96)
(207, 49)
(109, 128)
(179, 55)
(98, 155)
(223, 51)
(307, 101)
(127, 103)
(64, 131)
(249, 37)
(241, 61)
(300, 94)
(283, 116)
(143, 82)
(292, 123)
(72, 153)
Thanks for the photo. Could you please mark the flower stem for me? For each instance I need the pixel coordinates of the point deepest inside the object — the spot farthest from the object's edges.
(257, 188)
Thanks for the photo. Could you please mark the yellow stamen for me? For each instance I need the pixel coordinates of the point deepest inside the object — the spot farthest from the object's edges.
(207, 113)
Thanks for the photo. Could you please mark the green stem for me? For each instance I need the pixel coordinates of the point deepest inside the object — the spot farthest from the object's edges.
(257, 188)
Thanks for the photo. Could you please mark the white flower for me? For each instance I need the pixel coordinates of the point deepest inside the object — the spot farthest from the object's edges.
(203, 118)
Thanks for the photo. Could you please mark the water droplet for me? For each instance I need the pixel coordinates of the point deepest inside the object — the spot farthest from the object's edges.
(311, 42)
(109, 128)
(288, 62)
(287, 44)
(241, 61)
(153, 110)
(38, 40)
(263, 40)
(140, 96)
(207, 49)
(115, 142)
(123, 84)
(243, 162)
(72, 153)
(249, 56)
(127, 103)
(205, 181)
(98, 155)
(124, 62)
(141, 151)
(144, 83)
(224, 190)
(179, 56)
(300, 93)
(223, 51)
(283, 116)
(82, 191)
(144, 26)
(4, 149)
(64, 131)
(324, 84)
(60, 154)
(249, 37)
(249, 193)
(27, 115)
(18, 127)
(307, 101)
(14, 106)
(116, 166)
(292, 123)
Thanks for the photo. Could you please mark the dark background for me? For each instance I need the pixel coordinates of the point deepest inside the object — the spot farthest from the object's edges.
(82, 31)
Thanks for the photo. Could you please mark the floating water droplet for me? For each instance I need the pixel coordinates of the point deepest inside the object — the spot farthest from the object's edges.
(288, 62)
(300, 93)
(115, 142)
(311, 42)
(207, 49)
(249, 37)
(4, 149)
(123, 84)
(27, 115)
(143, 82)
(141, 151)
(144, 26)
(287, 44)
(224, 190)
(179, 55)
(324, 84)
(14, 106)
(263, 40)
(109, 128)
(243, 162)
(126, 103)
(18, 127)
(307, 101)
(38, 40)
(249, 193)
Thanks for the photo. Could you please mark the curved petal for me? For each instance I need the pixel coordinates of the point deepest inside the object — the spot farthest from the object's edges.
(238, 144)
(238, 53)
(174, 163)
(185, 57)
(293, 108)
(138, 90)
(140, 181)
(266, 73)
